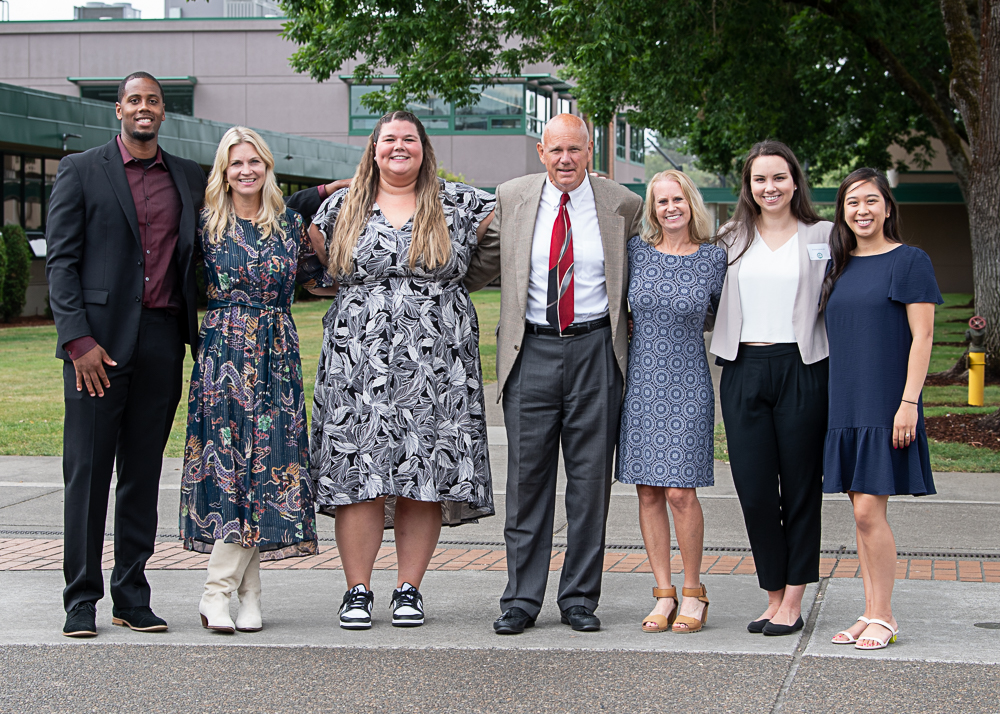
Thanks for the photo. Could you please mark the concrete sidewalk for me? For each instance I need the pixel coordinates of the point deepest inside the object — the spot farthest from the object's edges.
(303, 661)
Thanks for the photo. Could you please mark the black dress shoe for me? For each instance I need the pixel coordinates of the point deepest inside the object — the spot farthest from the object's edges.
(757, 626)
(140, 619)
(581, 619)
(81, 621)
(773, 630)
(513, 622)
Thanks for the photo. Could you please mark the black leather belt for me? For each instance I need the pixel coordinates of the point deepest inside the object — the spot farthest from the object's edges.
(577, 328)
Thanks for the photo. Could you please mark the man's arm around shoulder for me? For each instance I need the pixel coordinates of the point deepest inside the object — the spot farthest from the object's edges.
(484, 267)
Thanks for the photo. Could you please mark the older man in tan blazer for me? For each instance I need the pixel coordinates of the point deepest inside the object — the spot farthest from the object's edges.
(559, 240)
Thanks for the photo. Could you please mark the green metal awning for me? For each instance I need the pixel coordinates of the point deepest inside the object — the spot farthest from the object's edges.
(89, 81)
(40, 122)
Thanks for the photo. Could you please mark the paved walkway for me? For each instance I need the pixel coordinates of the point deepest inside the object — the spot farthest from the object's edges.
(946, 599)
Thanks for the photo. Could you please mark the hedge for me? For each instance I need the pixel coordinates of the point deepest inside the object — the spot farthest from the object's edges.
(17, 273)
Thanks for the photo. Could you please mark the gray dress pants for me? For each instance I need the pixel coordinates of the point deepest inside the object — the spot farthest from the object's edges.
(568, 389)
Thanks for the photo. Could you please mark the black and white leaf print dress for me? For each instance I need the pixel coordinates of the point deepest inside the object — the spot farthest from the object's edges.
(398, 408)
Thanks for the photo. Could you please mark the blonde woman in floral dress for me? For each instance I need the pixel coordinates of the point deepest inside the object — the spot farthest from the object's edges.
(245, 493)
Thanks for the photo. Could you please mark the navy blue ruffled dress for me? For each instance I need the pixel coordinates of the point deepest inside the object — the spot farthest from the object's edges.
(869, 349)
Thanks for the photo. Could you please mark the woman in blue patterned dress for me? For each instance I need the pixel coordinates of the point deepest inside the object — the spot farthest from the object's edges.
(666, 444)
(398, 423)
(879, 296)
(246, 491)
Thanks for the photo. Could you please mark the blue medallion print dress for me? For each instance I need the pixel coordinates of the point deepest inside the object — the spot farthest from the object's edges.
(246, 458)
(870, 343)
(668, 414)
(398, 408)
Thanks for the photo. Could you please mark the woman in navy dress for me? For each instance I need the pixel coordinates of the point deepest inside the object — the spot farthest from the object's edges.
(879, 296)
(666, 444)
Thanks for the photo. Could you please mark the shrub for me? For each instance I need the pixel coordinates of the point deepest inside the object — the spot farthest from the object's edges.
(18, 272)
(3, 266)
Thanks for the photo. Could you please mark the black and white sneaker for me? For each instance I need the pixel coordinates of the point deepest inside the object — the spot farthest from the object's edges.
(407, 607)
(356, 610)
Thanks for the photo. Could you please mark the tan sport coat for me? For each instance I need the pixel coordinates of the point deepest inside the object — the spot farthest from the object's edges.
(809, 325)
(506, 250)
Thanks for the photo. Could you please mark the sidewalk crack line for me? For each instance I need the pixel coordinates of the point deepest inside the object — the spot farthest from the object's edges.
(800, 650)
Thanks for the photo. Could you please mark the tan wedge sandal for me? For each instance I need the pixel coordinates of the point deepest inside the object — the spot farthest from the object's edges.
(661, 623)
(690, 623)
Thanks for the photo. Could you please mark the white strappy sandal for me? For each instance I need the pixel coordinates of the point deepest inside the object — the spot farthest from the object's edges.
(879, 644)
(851, 639)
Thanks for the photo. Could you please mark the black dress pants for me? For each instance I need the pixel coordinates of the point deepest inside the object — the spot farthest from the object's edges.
(775, 411)
(127, 427)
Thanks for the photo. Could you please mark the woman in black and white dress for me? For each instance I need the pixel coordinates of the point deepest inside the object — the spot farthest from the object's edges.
(398, 435)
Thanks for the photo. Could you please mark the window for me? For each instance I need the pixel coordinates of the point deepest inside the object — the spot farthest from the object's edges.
(620, 132)
(601, 149)
(11, 189)
(637, 146)
(500, 109)
(27, 185)
(565, 105)
(538, 108)
(178, 98)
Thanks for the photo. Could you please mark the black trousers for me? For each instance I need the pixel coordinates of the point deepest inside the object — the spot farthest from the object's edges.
(127, 427)
(775, 411)
(566, 389)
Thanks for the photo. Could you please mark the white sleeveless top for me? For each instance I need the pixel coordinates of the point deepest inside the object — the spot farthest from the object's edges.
(768, 282)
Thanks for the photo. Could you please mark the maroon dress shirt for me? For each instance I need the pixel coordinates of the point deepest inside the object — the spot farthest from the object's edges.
(158, 208)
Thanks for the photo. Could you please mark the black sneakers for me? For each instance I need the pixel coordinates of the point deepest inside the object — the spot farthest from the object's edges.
(140, 619)
(407, 607)
(81, 621)
(356, 609)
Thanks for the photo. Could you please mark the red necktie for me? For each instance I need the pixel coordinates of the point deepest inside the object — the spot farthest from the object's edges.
(559, 310)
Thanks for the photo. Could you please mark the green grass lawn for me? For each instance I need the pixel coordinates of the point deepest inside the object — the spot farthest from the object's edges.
(31, 405)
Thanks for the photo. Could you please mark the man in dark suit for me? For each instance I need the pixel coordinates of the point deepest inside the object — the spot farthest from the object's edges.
(121, 272)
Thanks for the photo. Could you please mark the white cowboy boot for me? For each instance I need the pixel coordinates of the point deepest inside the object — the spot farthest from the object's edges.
(225, 571)
(249, 617)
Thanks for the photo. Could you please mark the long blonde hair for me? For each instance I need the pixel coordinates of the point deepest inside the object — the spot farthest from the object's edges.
(700, 227)
(219, 213)
(431, 242)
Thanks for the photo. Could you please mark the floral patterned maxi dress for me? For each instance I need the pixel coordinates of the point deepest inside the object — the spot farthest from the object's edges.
(398, 408)
(246, 459)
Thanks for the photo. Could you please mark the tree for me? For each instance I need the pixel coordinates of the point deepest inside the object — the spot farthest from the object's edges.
(839, 80)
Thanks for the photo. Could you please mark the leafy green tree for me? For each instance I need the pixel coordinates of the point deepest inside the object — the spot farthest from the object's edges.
(839, 80)
(18, 272)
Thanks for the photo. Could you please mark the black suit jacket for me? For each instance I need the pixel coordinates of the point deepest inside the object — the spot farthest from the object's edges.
(94, 255)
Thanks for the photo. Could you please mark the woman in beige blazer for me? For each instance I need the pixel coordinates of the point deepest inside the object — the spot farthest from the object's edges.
(771, 342)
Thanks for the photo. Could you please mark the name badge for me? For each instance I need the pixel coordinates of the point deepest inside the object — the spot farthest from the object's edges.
(818, 251)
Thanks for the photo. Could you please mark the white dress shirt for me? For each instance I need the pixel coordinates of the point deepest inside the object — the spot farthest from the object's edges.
(590, 292)
(769, 281)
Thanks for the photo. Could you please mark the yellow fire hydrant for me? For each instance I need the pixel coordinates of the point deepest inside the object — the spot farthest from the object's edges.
(977, 360)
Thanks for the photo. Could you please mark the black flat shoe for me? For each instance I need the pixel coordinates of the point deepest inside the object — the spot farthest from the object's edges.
(140, 619)
(513, 622)
(773, 630)
(581, 619)
(81, 621)
(757, 626)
